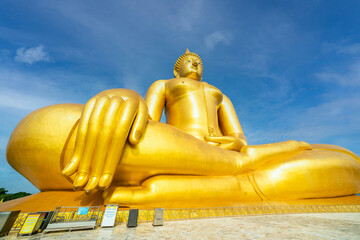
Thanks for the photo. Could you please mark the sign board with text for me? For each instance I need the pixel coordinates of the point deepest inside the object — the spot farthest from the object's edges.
(109, 216)
(32, 223)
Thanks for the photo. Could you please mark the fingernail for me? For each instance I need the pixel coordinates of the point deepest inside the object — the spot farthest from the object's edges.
(89, 191)
(80, 180)
(105, 194)
(76, 177)
(105, 181)
(91, 185)
(66, 170)
(137, 135)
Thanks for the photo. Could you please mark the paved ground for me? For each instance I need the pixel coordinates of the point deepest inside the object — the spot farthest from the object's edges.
(290, 226)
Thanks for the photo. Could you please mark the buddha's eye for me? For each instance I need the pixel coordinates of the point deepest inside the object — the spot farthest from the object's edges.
(188, 61)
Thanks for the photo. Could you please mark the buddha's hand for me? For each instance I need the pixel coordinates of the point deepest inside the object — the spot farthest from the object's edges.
(107, 121)
(228, 142)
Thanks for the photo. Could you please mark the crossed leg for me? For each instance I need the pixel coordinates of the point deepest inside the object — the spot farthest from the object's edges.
(212, 174)
(318, 173)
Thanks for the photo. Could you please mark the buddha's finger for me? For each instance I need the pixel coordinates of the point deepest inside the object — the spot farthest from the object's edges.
(72, 166)
(127, 115)
(91, 138)
(243, 142)
(107, 129)
(226, 142)
(220, 139)
(233, 146)
(139, 125)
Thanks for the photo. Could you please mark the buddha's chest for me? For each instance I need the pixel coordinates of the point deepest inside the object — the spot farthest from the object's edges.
(188, 90)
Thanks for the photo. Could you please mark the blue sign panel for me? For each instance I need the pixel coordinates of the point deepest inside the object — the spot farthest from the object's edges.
(83, 210)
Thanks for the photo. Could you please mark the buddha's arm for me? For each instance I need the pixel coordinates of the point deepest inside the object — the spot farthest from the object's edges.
(234, 137)
(155, 99)
(106, 122)
(229, 121)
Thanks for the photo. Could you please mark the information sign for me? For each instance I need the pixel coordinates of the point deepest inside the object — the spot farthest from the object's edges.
(158, 217)
(83, 210)
(109, 216)
(7, 220)
(31, 224)
(40, 221)
(133, 218)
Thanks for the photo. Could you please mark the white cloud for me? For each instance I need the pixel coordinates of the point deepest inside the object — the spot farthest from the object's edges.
(3, 142)
(351, 49)
(183, 19)
(13, 99)
(350, 78)
(4, 54)
(323, 123)
(257, 62)
(47, 86)
(333, 122)
(216, 38)
(32, 55)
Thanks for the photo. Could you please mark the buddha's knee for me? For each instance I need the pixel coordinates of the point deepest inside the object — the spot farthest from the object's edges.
(36, 146)
(310, 174)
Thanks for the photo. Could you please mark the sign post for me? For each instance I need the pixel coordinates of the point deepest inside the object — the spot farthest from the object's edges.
(158, 217)
(109, 215)
(7, 220)
(133, 218)
(32, 223)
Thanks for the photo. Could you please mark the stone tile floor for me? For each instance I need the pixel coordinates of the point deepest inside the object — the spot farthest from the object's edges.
(287, 226)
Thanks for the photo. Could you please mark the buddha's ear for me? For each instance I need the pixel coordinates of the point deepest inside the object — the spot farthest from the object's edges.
(176, 73)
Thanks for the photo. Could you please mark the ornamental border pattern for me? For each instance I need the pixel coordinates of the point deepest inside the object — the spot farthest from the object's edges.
(147, 215)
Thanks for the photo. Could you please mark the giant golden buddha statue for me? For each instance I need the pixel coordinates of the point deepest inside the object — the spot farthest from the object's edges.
(200, 157)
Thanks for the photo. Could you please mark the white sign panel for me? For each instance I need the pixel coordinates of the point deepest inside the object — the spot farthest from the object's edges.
(109, 216)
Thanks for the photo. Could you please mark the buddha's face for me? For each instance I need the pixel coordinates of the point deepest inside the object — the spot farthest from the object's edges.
(191, 67)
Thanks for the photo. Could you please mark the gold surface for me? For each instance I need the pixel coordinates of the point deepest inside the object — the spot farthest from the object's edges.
(199, 158)
(49, 200)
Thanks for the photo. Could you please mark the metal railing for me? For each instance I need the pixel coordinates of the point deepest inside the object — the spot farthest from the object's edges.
(70, 214)
(64, 214)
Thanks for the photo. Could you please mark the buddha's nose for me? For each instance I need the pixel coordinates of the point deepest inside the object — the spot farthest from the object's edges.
(194, 64)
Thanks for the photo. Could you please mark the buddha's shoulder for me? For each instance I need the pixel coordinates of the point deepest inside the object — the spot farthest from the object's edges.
(214, 91)
(211, 87)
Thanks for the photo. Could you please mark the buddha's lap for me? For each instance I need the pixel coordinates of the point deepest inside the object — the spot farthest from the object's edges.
(312, 173)
(36, 150)
(332, 175)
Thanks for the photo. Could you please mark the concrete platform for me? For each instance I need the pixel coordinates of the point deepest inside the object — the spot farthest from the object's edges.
(286, 226)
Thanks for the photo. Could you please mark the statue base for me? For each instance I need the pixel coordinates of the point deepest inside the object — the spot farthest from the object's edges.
(48, 201)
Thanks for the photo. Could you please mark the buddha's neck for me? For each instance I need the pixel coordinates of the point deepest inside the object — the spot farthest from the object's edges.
(194, 76)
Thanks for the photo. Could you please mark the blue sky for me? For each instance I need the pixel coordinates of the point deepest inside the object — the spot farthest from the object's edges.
(291, 68)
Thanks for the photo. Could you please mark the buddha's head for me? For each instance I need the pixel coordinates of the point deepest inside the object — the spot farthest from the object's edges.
(189, 65)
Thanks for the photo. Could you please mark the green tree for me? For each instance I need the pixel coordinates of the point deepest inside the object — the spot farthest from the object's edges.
(3, 191)
(10, 196)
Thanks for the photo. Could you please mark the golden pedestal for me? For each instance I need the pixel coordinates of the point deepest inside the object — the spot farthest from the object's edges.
(48, 201)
